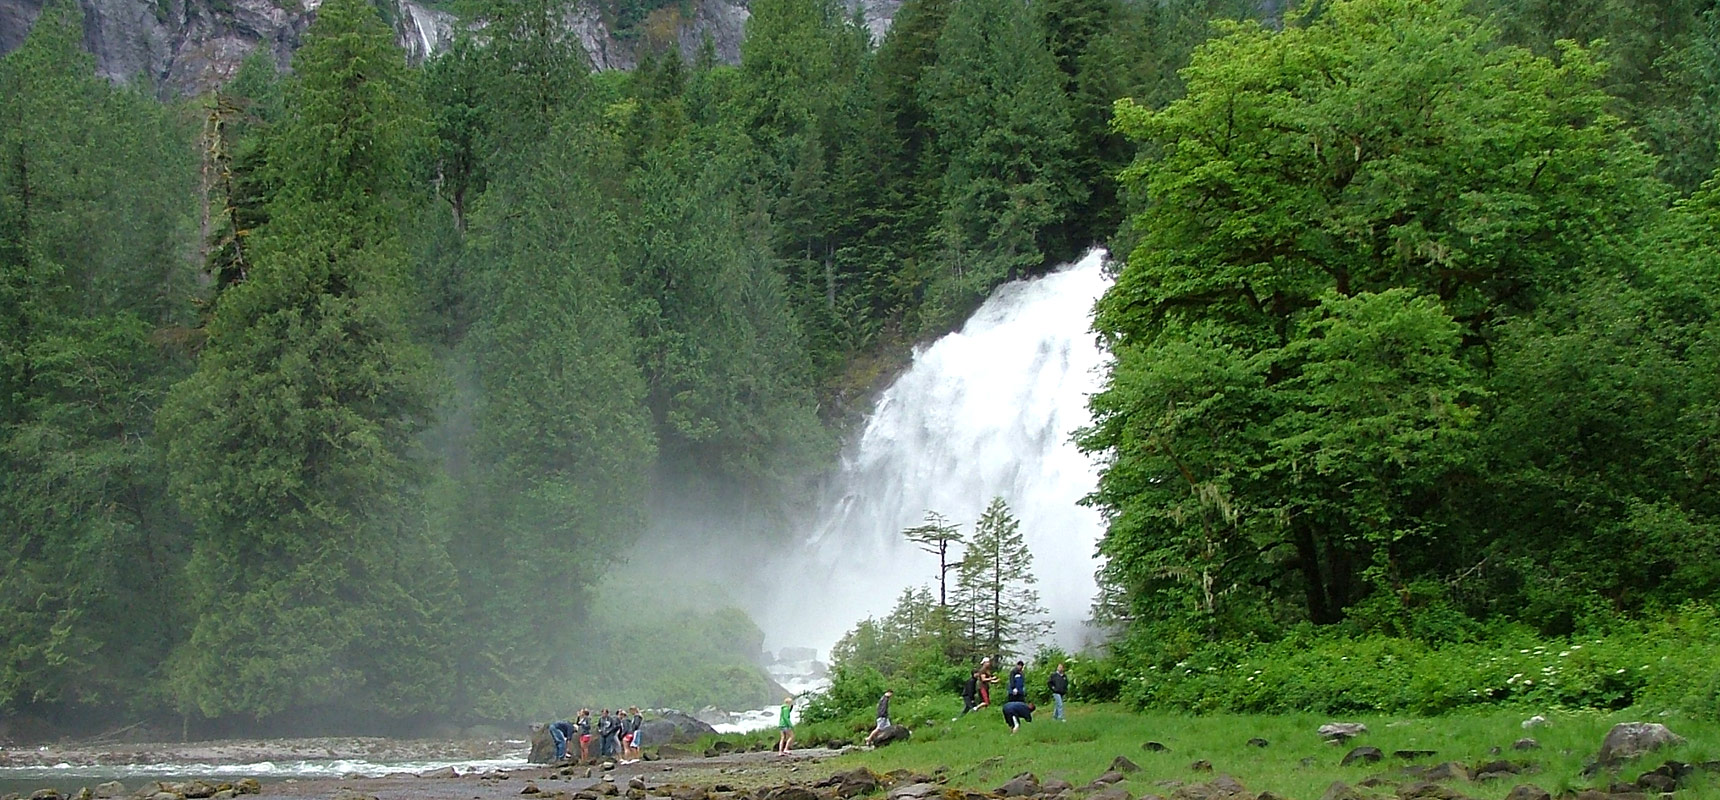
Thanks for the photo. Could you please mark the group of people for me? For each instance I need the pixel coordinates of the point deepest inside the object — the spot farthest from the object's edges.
(618, 735)
(976, 694)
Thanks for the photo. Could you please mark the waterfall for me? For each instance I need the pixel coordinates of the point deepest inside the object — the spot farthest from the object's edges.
(985, 412)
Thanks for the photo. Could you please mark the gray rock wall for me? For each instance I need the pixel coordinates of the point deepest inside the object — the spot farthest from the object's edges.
(186, 47)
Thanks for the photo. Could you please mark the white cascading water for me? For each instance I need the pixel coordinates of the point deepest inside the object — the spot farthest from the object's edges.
(985, 412)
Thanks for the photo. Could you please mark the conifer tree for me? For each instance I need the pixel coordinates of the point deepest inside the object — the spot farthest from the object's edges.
(996, 579)
(293, 447)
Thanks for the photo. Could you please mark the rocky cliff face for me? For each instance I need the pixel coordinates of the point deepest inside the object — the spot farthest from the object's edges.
(185, 47)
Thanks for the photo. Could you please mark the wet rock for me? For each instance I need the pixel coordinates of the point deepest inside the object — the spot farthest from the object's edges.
(1155, 747)
(110, 789)
(1257, 742)
(636, 782)
(1123, 765)
(1024, 785)
(198, 790)
(46, 794)
(1369, 755)
(445, 772)
(1340, 731)
(1528, 791)
(1526, 743)
(1629, 740)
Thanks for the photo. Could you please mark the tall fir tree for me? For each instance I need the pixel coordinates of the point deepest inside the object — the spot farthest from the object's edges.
(294, 446)
(996, 578)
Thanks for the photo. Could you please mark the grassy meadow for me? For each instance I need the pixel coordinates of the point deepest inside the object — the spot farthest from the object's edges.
(980, 753)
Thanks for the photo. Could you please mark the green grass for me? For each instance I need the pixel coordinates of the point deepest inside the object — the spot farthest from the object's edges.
(980, 753)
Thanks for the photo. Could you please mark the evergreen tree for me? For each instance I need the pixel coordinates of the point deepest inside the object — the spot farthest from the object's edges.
(935, 536)
(95, 222)
(293, 447)
(997, 579)
(995, 102)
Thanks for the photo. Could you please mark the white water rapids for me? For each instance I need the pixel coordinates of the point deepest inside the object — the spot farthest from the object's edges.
(985, 412)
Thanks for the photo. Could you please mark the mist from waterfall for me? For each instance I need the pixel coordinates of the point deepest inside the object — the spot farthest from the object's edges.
(985, 412)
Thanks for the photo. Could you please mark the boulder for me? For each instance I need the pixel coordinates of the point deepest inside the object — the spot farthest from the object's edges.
(1368, 755)
(543, 745)
(1339, 731)
(198, 790)
(45, 794)
(1024, 785)
(1123, 765)
(891, 735)
(1629, 740)
(445, 772)
(674, 727)
(110, 789)
(1528, 791)
(247, 786)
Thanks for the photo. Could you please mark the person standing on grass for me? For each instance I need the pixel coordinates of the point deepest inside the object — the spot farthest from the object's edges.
(785, 727)
(986, 679)
(1017, 684)
(1016, 712)
(1058, 683)
(970, 692)
(883, 716)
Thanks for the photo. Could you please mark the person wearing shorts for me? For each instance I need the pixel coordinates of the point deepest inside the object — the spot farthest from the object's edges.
(584, 725)
(785, 727)
(638, 733)
(883, 716)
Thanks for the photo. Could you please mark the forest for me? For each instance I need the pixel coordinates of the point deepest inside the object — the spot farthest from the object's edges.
(337, 395)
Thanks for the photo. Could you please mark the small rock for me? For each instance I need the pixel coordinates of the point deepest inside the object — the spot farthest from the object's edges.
(1108, 778)
(1370, 755)
(1111, 793)
(606, 789)
(1495, 769)
(608, 779)
(110, 789)
(916, 791)
(1411, 755)
(1155, 747)
(1339, 731)
(1227, 785)
(1427, 790)
(1341, 791)
(1525, 743)
(531, 787)
(1258, 742)
(1656, 783)
(445, 772)
(224, 794)
(1202, 765)
(1536, 721)
(1445, 771)
(1123, 765)
(198, 790)
(636, 782)
(1024, 785)
(609, 765)
(1055, 786)
(1528, 791)
(166, 796)
(45, 794)
(351, 794)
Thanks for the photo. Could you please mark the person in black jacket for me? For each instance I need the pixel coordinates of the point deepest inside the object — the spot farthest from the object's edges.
(970, 692)
(1058, 683)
